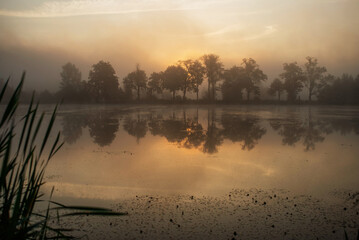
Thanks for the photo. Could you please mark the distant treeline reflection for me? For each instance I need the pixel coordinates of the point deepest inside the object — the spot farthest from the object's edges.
(186, 131)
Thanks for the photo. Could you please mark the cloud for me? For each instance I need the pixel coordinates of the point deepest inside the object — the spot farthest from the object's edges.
(227, 29)
(93, 7)
(270, 29)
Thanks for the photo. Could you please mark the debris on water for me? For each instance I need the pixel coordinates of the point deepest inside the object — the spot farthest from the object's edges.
(214, 217)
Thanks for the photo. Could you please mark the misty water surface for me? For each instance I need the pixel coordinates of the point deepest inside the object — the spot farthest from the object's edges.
(115, 151)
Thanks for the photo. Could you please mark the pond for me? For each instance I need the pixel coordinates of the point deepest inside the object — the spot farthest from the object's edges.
(113, 152)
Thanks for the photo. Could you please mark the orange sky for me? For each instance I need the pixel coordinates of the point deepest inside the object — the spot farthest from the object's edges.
(41, 36)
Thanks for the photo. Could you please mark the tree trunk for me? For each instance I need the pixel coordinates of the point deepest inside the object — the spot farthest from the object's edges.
(197, 91)
(310, 96)
(248, 95)
(278, 96)
(138, 93)
(184, 94)
(214, 91)
(173, 96)
(209, 90)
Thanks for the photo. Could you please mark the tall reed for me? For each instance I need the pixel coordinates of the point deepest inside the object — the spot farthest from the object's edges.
(23, 163)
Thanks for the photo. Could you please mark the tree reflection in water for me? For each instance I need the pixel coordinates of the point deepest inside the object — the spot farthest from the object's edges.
(245, 129)
(72, 127)
(186, 131)
(136, 127)
(213, 136)
(310, 130)
(103, 127)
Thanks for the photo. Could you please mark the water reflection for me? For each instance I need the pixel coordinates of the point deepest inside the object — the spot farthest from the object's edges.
(136, 127)
(309, 130)
(295, 130)
(207, 130)
(103, 127)
(184, 131)
(244, 129)
(214, 136)
(72, 125)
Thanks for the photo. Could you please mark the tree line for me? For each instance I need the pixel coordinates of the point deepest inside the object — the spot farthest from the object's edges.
(238, 84)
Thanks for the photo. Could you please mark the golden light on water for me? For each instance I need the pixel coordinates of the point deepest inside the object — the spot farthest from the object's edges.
(166, 161)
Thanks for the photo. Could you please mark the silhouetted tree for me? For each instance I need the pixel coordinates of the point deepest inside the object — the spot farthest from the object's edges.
(276, 87)
(174, 78)
(214, 71)
(253, 76)
(155, 83)
(70, 85)
(324, 93)
(103, 82)
(313, 74)
(136, 80)
(293, 80)
(233, 85)
(344, 90)
(127, 83)
(196, 71)
(186, 84)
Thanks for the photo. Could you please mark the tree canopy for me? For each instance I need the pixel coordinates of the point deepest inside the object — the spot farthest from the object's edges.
(293, 80)
(174, 78)
(313, 74)
(214, 72)
(103, 82)
(70, 85)
(276, 87)
(253, 76)
(136, 80)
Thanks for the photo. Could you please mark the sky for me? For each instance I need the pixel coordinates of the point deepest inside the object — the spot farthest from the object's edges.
(40, 36)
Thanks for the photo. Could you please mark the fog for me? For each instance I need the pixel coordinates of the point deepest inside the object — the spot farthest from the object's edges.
(43, 36)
